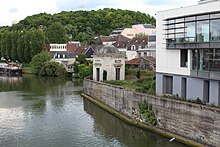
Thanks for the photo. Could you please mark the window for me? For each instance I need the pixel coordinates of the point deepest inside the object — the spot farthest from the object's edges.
(98, 74)
(217, 15)
(190, 31)
(202, 17)
(202, 31)
(190, 18)
(117, 74)
(215, 30)
(183, 58)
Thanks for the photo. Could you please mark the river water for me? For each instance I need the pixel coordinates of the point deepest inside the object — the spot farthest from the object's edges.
(49, 112)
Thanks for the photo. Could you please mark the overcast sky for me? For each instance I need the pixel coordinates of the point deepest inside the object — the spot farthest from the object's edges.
(16, 10)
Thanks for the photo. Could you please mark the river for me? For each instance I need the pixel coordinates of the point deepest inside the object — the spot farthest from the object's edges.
(49, 112)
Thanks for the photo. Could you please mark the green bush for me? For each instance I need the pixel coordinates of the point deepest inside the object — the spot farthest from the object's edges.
(147, 113)
(85, 71)
(53, 69)
(38, 61)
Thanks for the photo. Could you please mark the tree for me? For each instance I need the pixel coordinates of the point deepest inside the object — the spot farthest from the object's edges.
(14, 43)
(85, 71)
(53, 69)
(81, 59)
(56, 33)
(20, 48)
(27, 46)
(38, 61)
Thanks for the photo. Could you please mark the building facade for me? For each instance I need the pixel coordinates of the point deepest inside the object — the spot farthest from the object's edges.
(188, 52)
(108, 64)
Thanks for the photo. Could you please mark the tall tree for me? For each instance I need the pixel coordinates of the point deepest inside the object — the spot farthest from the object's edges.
(56, 33)
(14, 45)
(27, 46)
(20, 48)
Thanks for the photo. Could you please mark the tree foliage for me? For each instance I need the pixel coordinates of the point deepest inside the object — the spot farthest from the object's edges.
(82, 25)
(56, 33)
(38, 61)
(21, 45)
(53, 69)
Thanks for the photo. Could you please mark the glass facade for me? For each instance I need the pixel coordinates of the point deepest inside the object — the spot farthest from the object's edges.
(199, 34)
(206, 60)
(215, 29)
(194, 32)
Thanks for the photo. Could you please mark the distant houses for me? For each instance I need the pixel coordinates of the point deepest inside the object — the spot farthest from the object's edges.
(136, 42)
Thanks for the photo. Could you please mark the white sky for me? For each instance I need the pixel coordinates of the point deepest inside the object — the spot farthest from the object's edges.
(16, 10)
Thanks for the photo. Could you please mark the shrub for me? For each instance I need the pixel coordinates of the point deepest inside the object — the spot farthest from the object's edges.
(52, 69)
(38, 61)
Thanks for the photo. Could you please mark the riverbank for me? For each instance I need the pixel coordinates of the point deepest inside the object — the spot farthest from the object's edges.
(141, 125)
(189, 123)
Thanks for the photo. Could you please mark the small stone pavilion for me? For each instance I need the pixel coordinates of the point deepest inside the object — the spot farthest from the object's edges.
(108, 64)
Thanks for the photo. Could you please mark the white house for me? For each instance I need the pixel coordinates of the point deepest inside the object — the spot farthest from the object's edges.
(188, 52)
(108, 64)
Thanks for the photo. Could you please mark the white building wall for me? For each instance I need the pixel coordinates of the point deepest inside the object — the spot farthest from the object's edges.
(107, 63)
(131, 54)
(168, 61)
(58, 47)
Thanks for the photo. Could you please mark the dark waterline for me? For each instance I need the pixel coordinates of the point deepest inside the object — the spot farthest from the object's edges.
(39, 112)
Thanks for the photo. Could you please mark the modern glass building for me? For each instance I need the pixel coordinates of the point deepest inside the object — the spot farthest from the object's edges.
(188, 52)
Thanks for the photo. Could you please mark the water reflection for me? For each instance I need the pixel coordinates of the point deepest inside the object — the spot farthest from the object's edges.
(105, 123)
(50, 112)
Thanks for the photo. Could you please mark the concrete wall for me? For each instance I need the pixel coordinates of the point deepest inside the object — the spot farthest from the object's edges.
(195, 122)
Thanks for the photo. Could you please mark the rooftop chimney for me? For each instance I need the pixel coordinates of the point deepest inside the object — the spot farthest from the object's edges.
(207, 1)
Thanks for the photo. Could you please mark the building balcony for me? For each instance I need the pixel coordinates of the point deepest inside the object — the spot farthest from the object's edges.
(193, 45)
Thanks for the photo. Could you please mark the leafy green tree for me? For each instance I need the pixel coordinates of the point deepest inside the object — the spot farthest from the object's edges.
(20, 47)
(38, 61)
(85, 71)
(4, 44)
(27, 46)
(53, 69)
(81, 59)
(56, 33)
(14, 43)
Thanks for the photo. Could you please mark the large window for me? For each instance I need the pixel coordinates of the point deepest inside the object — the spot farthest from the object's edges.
(206, 60)
(202, 34)
(190, 32)
(215, 30)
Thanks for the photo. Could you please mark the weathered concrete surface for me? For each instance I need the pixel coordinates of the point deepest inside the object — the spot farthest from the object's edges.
(195, 122)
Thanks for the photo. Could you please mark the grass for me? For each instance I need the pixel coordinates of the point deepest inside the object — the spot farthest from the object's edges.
(146, 84)
(27, 70)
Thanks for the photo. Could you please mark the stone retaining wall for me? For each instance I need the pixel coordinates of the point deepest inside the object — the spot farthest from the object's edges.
(191, 121)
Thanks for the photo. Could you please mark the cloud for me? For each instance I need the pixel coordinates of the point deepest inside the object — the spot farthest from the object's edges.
(63, 5)
(13, 10)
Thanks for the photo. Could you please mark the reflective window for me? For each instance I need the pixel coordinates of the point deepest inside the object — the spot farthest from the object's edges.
(171, 26)
(190, 32)
(202, 17)
(179, 20)
(215, 15)
(202, 31)
(180, 30)
(170, 21)
(215, 30)
(190, 18)
(179, 25)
